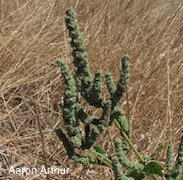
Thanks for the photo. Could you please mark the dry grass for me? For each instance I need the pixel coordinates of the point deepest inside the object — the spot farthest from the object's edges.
(33, 36)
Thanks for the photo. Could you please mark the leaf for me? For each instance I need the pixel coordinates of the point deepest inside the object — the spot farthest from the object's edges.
(99, 149)
(153, 167)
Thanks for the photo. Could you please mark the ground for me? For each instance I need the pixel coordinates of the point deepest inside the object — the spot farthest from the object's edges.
(33, 37)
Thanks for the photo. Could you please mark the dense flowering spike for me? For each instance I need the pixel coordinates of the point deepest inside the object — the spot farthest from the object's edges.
(82, 76)
(117, 168)
(179, 161)
(175, 172)
(110, 84)
(169, 159)
(106, 114)
(180, 154)
(125, 61)
(123, 81)
(63, 138)
(71, 107)
(119, 114)
(95, 96)
(121, 154)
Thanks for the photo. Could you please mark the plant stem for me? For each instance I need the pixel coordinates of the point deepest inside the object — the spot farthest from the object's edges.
(103, 159)
(131, 144)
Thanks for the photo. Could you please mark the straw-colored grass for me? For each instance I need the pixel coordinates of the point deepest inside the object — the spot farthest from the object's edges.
(33, 36)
